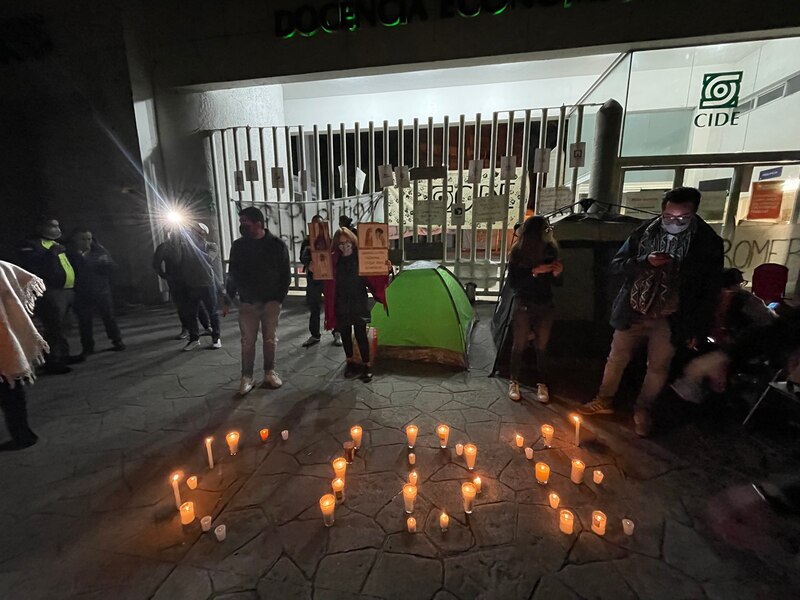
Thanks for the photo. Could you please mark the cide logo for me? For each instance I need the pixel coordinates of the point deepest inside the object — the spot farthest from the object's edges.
(720, 94)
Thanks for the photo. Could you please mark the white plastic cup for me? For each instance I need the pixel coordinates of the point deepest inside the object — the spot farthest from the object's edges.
(285, 434)
(529, 453)
(220, 532)
(628, 526)
(205, 523)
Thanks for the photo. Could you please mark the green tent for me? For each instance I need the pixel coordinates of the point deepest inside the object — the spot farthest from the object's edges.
(430, 317)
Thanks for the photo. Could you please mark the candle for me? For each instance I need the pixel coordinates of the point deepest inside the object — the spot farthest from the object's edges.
(233, 442)
(519, 441)
(459, 449)
(529, 453)
(339, 466)
(444, 521)
(547, 434)
(356, 433)
(264, 434)
(326, 504)
(285, 434)
(542, 472)
(477, 483)
(349, 452)
(208, 452)
(219, 531)
(191, 483)
(566, 521)
(577, 471)
(205, 523)
(597, 476)
(599, 522)
(468, 492)
(175, 479)
(187, 513)
(412, 458)
(555, 500)
(409, 495)
(411, 434)
(577, 420)
(411, 523)
(338, 489)
(412, 478)
(444, 433)
(627, 526)
(470, 454)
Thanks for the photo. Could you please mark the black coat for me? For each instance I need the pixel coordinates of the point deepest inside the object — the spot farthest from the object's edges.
(93, 271)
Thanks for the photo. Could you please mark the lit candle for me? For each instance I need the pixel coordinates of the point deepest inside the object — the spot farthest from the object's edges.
(411, 523)
(566, 521)
(349, 452)
(519, 441)
(187, 513)
(339, 466)
(597, 476)
(529, 453)
(205, 523)
(191, 482)
(470, 454)
(356, 433)
(412, 478)
(409, 495)
(444, 521)
(208, 452)
(264, 433)
(326, 504)
(338, 489)
(233, 442)
(577, 420)
(477, 482)
(542, 472)
(627, 526)
(411, 434)
(444, 433)
(468, 492)
(555, 500)
(412, 458)
(220, 532)
(459, 449)
(599, 522)
(547, 434)
(577, 471)
(175, 479)
(285, 434)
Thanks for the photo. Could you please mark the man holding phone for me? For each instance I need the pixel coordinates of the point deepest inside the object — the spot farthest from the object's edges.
(672, 267)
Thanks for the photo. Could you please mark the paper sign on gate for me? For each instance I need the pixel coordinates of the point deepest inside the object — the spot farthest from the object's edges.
(278, 178)
(577, 155)
(765, 200)
(475, 171)
(457, 214)
(251, 170)
(342, 177)
(552, 199)
(541, 160)
(429, 211)
(361, 178)
(385, 176)
(644, 200)
(305, 180)
(508, 167)
(373, 249)
(489, 209)
(402, 177)
(238, 181)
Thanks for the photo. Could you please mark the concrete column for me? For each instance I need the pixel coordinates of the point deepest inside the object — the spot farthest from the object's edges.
(604, 184)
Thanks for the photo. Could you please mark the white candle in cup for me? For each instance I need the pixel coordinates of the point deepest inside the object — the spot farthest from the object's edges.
(209, 453)
(597, 476)
(175, 479)
(411, 434)
(412, 478)
(327, 504)
(191, 482)
(599, 522)
(409, 495)
(566, 521)
(337, 485)
(205, 523)
(542, 472)
(233, 442)
(468, 491)
(477, 482)
(443, 431)
(577, 420)
(187, 513)
(529, 453)
(578, 467)
(356, 432)
(412, 458)
(459, 449)
(444, 521)
(470, 454)
(547, 434)
(285, 434)
(554, 499)
(627, 526)
(339, 466)
(519, 441)
(411, 523)
(220, 532)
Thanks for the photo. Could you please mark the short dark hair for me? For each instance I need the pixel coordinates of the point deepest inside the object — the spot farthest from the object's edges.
(252, 213)
(682, 195)
(732, 277)
(45, 219)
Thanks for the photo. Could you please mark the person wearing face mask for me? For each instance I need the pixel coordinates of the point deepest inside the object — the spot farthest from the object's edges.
(672, 269)
(347, 302)
(259, 273)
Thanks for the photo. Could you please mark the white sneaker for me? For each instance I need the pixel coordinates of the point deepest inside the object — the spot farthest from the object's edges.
(194, 345)
(542, 393)
(272, 380)
(245, 385)
(216, 344)
(337, 338)
(513, 391)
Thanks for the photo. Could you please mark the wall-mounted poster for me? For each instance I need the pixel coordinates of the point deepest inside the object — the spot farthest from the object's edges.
(320, 239)
(765, 200)
(373, 249)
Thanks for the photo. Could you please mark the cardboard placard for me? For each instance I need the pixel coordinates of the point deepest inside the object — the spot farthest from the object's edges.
(319, 237)
(321, 265)
(373, 249)
(766, 198)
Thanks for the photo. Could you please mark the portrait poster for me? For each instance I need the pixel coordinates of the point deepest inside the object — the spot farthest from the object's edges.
(319, 238)
(373, 248)
(321, 265)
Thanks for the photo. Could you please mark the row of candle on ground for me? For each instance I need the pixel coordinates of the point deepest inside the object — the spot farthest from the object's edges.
(443, 431)
(233, 439)
(566, 523)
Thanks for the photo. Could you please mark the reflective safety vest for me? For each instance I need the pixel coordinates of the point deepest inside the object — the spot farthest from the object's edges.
(69, 281)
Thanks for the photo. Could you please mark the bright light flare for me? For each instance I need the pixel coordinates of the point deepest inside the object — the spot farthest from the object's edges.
(175, 217)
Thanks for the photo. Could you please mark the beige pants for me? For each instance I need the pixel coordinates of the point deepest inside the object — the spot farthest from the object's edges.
(252, 317)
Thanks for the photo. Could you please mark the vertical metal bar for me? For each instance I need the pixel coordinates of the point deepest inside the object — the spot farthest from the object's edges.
(386, 162)
(215, 179)
(415, 185)
(578, 134)
(236, 157)
(562, 122)
(401, 220)
(356, 165)
(460, 188)
(542, 144)
(317, 170)
(446, 162)
(279, 190)
(266, 175)
(473, 250)
(331, 176)
(287, 135)
(677, 180)
(796, 214)
(504, 230)
(343, 147)
(492, 164)
(431, 146)
(523, 185)
(742, 174)
(225, 169)
(371, 169)
(249, 158)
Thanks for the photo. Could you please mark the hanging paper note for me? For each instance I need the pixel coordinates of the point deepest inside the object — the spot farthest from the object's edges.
(278, 178)
(238, 181)
(386, 175)
(251, 170)
(475, 171)
(541, 160)
(577, 155)
(508, 167)
(361, 178)
(402, 177)
(457, 214)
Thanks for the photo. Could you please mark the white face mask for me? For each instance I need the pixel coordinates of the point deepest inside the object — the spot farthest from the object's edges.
(675, 228)
(675, 225)
(346, 248)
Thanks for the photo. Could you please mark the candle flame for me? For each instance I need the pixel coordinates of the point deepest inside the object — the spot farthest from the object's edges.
(176, 476)
(576, 418)
(209, 439)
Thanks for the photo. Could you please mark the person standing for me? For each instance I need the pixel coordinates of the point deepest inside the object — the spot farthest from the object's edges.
(94, 267)
(672, 268)
(259, 273)
(314, 287)
(533, 270)
(196, 272)
(46, 258)
(21, 348)
(347, 302)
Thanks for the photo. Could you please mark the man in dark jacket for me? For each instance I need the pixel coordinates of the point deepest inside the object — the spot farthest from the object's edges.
(43, 256)
(259, 273)
(672, 267)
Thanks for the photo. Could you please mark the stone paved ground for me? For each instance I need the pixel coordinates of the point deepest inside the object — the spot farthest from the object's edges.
(88, 513)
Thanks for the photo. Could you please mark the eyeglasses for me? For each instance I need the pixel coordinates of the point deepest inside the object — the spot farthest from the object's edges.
(345, 244)
(679, 219)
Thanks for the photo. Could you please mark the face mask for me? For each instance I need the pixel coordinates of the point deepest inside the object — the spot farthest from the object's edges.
(346, 249)
(676, 228)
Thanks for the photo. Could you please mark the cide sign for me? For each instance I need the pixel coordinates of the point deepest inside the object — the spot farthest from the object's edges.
(720, 94)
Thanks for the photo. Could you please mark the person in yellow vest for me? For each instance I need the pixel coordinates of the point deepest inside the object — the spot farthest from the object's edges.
(46, 258)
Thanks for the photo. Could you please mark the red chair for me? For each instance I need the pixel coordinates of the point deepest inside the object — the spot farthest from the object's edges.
(769, 282)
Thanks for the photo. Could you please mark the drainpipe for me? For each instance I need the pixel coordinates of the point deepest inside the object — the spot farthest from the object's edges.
(604, 184)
